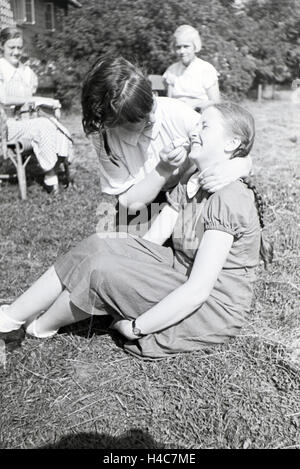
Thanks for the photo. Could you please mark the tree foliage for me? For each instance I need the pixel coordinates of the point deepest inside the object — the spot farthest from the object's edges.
(259, 40)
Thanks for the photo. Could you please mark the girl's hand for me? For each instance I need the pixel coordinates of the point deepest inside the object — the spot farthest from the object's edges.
(174, 155)
(124, 327)
(220, 175)
(215, 178)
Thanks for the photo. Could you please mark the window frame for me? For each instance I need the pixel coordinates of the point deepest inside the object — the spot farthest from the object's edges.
(32, 7)
(19, 8)
(51, 5)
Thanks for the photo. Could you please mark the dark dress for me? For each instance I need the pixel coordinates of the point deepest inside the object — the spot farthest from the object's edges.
(124, 276)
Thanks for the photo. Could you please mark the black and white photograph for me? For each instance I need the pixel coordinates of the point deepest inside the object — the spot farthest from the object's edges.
(149, 227)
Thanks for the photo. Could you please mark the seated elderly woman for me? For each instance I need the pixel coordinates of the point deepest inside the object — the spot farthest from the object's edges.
(18, 83)
(191, 79)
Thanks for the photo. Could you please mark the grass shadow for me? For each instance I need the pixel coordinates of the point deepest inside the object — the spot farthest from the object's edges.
(94, 326)
(132, 439)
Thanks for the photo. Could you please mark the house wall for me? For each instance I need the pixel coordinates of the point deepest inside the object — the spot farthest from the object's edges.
(6, 14)
(39, 27)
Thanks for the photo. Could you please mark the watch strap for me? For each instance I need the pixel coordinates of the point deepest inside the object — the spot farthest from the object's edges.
(136, 330)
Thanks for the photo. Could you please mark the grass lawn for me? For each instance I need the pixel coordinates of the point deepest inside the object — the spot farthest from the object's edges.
(80, 390)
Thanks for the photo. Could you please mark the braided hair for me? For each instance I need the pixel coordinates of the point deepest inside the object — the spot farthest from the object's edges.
(241, 123)
(266, 248)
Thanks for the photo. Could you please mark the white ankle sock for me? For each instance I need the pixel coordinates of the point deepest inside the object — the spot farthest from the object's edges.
(51, 180)
(32, 329)
(8, 324)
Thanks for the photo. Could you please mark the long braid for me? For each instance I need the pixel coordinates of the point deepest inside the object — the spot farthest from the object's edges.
(266, 248)
(241, 124)
(260, 205)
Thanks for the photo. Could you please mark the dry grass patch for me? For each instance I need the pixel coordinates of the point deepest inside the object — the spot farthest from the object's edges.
(80, 390)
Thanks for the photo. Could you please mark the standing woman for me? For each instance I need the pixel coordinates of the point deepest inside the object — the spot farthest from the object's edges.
(191, 79)
(18, 83)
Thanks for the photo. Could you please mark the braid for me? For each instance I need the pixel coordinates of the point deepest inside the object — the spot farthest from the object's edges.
(266, 248)
(259, 202)
(241, 124)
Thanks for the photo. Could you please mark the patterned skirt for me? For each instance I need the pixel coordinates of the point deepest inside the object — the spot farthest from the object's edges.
(47, 139)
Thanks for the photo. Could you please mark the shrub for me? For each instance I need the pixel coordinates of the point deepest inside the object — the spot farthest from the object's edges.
(244, 44)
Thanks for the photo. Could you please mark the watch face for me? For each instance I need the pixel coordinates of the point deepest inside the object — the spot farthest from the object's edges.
(137, 331)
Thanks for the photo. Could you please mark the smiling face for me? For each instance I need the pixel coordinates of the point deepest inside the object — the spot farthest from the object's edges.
(12, 50)
(185, 49)
(217, 142)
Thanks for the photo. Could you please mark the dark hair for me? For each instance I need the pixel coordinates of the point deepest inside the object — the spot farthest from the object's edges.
(114, 92)
(241, 123)
(9, 33)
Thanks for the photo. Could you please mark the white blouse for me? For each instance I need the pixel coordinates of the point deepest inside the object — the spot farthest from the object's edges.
(134, 155)
(16, 81)
(192, 82)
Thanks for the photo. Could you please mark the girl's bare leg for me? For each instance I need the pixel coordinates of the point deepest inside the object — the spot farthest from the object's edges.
(61, 313)
(39, 297)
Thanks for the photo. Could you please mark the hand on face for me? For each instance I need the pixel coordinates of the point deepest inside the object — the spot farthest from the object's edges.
(210, 140)
(175, 154)
(212, 145)
(216, 177)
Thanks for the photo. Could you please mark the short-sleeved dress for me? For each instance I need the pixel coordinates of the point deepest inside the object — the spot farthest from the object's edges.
(124, 276)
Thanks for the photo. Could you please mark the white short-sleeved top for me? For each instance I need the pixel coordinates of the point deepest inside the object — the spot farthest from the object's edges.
(134, 155)
(191, 82)
(16, 81)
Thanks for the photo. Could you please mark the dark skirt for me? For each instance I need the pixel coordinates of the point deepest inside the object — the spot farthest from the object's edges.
(125, 276)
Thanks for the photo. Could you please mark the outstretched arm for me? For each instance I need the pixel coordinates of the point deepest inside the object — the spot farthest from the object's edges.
(143, 192)
(219, 176)
(163, 226)
(186, 299)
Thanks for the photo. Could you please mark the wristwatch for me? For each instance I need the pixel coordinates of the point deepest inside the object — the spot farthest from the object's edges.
(136, 330)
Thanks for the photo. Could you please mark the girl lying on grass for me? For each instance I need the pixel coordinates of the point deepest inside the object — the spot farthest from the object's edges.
(165, 300)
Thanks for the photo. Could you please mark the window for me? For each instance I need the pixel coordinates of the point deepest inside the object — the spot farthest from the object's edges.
(29, 10)
(23, 10)
(49, 17)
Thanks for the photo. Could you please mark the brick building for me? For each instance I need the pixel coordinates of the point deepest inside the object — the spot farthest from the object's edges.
(35, 17)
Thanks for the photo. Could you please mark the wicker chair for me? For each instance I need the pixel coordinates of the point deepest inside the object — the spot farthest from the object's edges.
(15, 151)
(20, 152)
